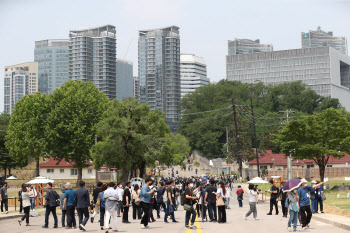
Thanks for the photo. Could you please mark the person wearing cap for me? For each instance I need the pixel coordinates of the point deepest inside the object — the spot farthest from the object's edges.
(304, 202)
(313, 197)
(283, 196)
(63, 208)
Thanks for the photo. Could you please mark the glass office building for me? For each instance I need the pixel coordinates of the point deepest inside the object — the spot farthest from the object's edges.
(323, 69)
(92, 57)
(125, 80)
(159, 71)
(246, 46)
(321, 38)
(52, 57)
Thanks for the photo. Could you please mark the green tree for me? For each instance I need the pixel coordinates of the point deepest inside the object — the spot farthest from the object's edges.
(26, 133)
(316, 137)
(267, 142)
(130, 137)
(175, 149)
(76, 107)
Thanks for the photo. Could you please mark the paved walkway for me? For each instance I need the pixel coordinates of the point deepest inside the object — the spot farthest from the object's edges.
(235, 223)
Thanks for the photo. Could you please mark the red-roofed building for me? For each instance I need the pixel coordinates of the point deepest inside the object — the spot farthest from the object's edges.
(54, 169)
(271, 161)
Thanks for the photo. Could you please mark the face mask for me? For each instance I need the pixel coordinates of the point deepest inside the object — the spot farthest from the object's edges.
(191, 185)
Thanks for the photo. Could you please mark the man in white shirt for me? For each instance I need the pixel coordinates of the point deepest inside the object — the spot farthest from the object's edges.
(111, 198)
(120, 192)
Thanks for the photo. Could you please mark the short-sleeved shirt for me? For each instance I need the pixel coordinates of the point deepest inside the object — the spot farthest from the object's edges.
(211, 197)
(304, 197)
(3, 192)
(172, 193)
(70, 195)
(126, 194)
(274, 195)
(188, 192)
(144, 196)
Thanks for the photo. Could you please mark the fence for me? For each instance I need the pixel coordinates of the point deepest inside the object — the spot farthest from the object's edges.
(313, 172)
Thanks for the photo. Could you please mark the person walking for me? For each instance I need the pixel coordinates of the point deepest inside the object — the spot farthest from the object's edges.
(319, 197)
(69, 205)
(228, 196)
(82, 203)
(145, 201)
(313, 197)
(26, 204)
(120, 192)
(252, 203)
(189, 201)
(210, 200)
(126, 202)
(221, 194)
(152, 205)
(160, 201)
(304, 202)
(102, 205)
(111, 198)
(95, 193)
(51, 204)
(293, 206)
(240, 193)
(4, 198)
(283, 196)
(170, 192)
(135, 197)
(63, 208)
(273, 198)
(32, 197)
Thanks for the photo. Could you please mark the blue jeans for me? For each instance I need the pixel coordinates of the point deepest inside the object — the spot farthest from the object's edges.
(293, 218)
(167, 213)
(314, 207)
(188, 215)
(32, 203)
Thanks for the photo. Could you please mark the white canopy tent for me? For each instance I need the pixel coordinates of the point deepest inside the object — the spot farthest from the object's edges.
(40, 180)
(257, 180)
(11, 178)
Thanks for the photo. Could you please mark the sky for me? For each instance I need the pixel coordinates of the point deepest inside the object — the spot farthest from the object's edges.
(205, 25)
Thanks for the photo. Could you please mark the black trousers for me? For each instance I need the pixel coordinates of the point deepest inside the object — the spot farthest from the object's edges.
(273, 202)
(240, 203)
(201, 211)
(26, 214)
(102, 216)
(221, 214)
(284, 208)
(145, 207)
(83, 212)
(70, 216)
(158, 208)
(20, 205)
(136, 210)
(320, 202)
(306, 214)
(212, 210)
(4, 203)
(50, 209)
(63, 218)
(126, 214)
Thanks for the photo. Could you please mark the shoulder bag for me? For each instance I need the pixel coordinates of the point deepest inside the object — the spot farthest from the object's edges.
(220, 201)
(323, 197)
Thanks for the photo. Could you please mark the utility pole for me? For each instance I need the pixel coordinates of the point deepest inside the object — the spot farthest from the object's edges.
(237, 137)
(289, 158)
(256, 143)
(229, 168)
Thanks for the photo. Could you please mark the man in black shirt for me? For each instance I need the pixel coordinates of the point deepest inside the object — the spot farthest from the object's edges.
(126, 202)
(273, 199)
(94, 196)
(283, 201)
(190, 200)
(210, 199)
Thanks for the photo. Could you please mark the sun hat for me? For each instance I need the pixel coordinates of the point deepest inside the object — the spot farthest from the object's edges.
(303, 181)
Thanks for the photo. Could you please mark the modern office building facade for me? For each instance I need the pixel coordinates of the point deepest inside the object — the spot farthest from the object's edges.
(246, 46)
(52, 57)
(136, 87)
(92, 57)
(159, 71)
(193, 70)
(19, 80)
(323, 69)
(321, 38)
(125, 80)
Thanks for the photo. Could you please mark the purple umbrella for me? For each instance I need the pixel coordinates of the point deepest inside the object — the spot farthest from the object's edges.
(291, 184)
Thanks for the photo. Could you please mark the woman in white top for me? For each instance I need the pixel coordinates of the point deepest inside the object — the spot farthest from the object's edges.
(26, 204)
(221, 193)
(252, 203)
(135, 200)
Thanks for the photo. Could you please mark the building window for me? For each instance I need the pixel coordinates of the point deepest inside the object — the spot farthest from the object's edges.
(308, 166)
(61, 170)
(263, 167)
(50, 170)
(73, 172)
(329, 165)
(89, 171)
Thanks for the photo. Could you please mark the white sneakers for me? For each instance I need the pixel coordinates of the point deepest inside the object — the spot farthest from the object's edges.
(245, 217)
(82, 227)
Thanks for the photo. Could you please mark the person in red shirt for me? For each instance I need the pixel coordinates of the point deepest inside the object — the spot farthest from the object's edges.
(240, 193)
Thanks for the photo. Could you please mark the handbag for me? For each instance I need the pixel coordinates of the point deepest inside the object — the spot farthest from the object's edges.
(187, 207)
(323, 197)
(220, 202)
(295, 208)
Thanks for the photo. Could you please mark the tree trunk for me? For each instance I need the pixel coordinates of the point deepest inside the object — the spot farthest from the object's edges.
(322, 169)
(37, 171)
(125, 176)
(80, 175)
(142, 169)
(4, 178)
(9, 171)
